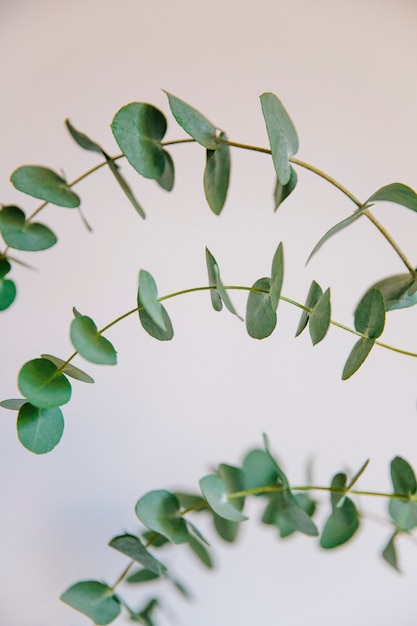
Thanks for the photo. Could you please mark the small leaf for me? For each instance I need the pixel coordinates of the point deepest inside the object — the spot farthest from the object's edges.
(216, 300)
(138, 129)
(277, 276)
(280, 474)
(281, 133)
(39, 430)
(320, 318)
(404, 514)
(5, 267)
(370, 314)
(313, 296)
(148, 298)
(188, 500)
(89, 343)
(403, 477)
(200, 551)
(125, 187)
(45, 184)
(234, 481)
(356, 358)
(259, 470)
(214, 491)
(193, 122)
(217, 176)
(82, 140)
(141, 576)
(153, 329)
(43, 385)
(227, 530)
(358, 474)
(223, 293)
(13, 404)
(338, 483)
(397, 193)
(261, 318)
(7, 293)
(335, 229)
(340, 526)
(281, 192)
(23, 235)
(68, 369)
(389, 553)
(134, 549)
(154, 539)
(166, 180)
(398, 291)
(285, 512)
(94, 599)
(160, 511)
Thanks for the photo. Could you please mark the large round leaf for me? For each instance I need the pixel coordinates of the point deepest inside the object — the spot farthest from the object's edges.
(261, 317)
(45, 184)
(39, 430)
(23, 235)
(138, 129)
(43, 385)
(89, 343)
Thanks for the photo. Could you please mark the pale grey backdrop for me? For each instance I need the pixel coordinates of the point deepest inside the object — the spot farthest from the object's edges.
(168, 412)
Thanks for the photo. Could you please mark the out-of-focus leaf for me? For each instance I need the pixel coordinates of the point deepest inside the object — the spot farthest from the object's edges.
(258, 470)
(43, 183)
(7, 293)
(281, 192)
(226, 529)
(5, 267)
(399, 291)
(141, 576)
(200, 551)
(340, 526)
(23, 235)
(389, 553)
(13, 404)
(313, 296)
(94, 599)
(134, 549)
(160, 511)
(356, 358)
(214, 491)
(286, 512)
(166, 180)
(281, 133)
(217, 176)
(89, 343)
(370, 314)
(403, 477)
(68, 369)
(193, 122)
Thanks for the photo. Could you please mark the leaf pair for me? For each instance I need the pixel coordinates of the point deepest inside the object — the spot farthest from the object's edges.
(218, 293)
(316, 314)
(22, 234)
(153, 316)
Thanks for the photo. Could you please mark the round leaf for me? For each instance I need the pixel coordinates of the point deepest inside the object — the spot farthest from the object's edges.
(94, 599)
(214, 491)
(258, 469)
(5, 266)
(23, 235)
(340, 526)
(43, 385)
(39, 430)
(7, 293)
(261, 317)
(89, 343)
(153, 329)
(138, 129)
(160, 511)
(370, 314)
(45, 184)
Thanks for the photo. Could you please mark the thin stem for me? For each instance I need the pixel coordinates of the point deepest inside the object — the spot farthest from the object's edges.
(356, 492)
(391, 241)
(122, 575)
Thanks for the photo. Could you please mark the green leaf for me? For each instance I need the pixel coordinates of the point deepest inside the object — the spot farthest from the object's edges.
(398, 291)
(45, 184)
(226, 529)
(286, 512)
(404, 514)
(258, 470)
(314, 294)
(234, 481)
(193, 122)
(134, 549)
(166, 180)
(200, 551)
(68, 369)
(125, 187)
(339, 483)
(148, 298)
(82, 140)
(335, 229)
(281, 192)
(356, 358)
(370, 314)
(141, 576)
(340, 526)
(389, 553)
(138, 129)
(403, 477)
(261, 317)
(223, 293)
(39, 430)
(217, 176)
(5, 267)
(160, 511)
(154, 539)
(43, 385)
(320, 318)
(13, 404)
(211, 262)
(397, 193)
(280, 474)
(7, 293)
(188, 500)
(23, 235)
(153, 329)
(358, 474)
(277, 276)
(215, 492)
(89, 343)
(281, 133)
(94, 599)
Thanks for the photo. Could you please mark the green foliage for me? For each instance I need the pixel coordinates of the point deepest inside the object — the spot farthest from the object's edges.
(39, 430)
(94, 599)
(193, 122)
(90, 343)
(281, 192)
(217, 176)
(45, 184)
(132, 547)
(44, 386)
(398, 292)
(397, 193)
(282, 136)
(160, 512)
(20, 234)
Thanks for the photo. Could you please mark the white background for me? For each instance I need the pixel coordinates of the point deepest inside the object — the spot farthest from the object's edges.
(170, 412)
